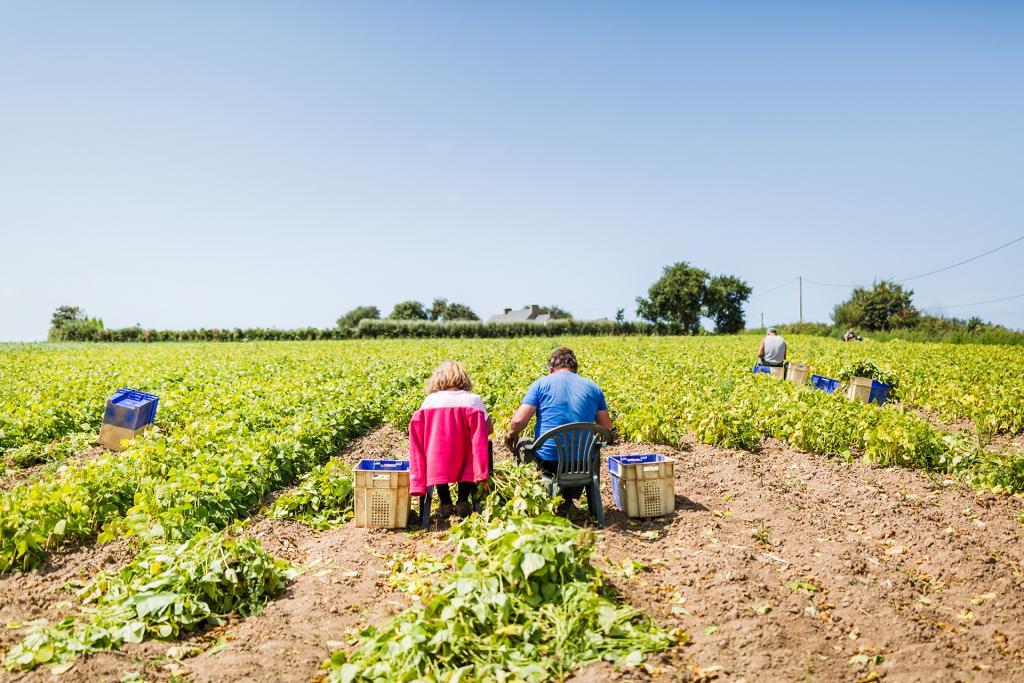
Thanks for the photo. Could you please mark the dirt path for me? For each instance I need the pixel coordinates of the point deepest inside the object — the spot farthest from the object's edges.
(927, 577)
(39, 594)
(918, 581)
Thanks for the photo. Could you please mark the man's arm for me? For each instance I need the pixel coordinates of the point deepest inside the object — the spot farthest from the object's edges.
(760, 350)
(519, 421)
(604, 419)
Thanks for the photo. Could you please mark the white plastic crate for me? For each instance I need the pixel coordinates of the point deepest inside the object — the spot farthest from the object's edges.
(382, 494)
(643, 485)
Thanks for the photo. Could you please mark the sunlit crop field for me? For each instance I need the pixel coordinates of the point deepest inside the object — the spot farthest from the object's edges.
(236, 421)
(239, 421)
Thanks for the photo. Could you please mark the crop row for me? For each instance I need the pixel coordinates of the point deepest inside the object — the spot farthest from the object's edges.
(237, 422)
(221, 446)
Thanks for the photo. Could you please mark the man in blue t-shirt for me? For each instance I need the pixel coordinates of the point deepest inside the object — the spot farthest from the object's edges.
(557, 399)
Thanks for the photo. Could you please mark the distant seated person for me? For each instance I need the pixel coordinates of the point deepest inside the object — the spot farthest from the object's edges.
(851, 336)
(772, 351)
(559, 398)
(448, 440)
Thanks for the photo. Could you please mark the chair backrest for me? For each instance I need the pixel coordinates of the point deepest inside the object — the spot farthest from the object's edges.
(578, 445)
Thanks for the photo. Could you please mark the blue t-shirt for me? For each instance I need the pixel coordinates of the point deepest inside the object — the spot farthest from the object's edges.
(560, 398)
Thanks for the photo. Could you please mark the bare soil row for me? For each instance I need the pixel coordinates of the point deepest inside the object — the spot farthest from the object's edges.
(781, 565)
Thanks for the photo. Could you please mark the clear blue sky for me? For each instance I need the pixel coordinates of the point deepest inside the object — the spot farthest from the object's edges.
(275, 164)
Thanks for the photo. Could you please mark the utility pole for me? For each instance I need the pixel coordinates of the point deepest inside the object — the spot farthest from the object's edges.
(801, 277)
(762, 320)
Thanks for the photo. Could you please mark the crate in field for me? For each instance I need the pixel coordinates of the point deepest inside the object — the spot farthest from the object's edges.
(826, 384)
(643, 485)
(868, 390)
(130, 409)
(382, 494)
(797, 373)
(128, 413)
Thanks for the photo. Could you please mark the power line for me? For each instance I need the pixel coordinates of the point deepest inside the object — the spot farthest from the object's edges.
(769, 291)
(960, 263)
(915, 277)
(980, 303)
(906, 279)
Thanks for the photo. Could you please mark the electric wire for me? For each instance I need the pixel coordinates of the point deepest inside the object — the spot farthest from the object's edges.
(981, 303)
(960, 263)
(769, 291)
(920, 275)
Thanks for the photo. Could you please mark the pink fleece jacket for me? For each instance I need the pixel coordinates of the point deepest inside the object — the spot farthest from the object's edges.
(447, 441)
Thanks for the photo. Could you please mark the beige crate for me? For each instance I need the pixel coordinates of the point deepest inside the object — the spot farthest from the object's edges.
(859, 389)
(381, 499)
(798, 373)
(778, 373)
(646, 489)
(118, 438)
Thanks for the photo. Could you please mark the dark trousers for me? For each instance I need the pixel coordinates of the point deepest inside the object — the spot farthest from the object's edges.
(466, 489)
(569, 493)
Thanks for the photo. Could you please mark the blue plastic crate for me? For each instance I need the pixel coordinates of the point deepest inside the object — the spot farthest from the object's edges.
(615, 464)
(131, 409)
(762, 370)
(826, 384)
(367, 465)
(879, 393)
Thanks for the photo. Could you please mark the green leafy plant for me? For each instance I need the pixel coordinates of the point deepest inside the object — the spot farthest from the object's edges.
(323, 498)
(524, 604)
(869, 370)
(809, 585)
(165, 591)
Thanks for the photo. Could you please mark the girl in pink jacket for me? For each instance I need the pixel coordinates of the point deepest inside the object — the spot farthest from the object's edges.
(448, 439)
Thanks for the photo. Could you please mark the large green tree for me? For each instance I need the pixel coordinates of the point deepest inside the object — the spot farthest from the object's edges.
(408, 310)
(685, 293)
(886, 306)
(65, 314)
(352, 318)
(723, 303)
(676, 298)
(70, 323)
(443, 310)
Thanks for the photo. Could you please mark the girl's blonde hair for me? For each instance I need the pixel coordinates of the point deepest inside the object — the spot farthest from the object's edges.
(449, 375)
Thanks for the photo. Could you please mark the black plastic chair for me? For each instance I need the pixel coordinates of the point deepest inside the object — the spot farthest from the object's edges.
(427, 500)
(578, 445)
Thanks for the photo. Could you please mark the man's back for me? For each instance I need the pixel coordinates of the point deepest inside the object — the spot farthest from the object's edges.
(561, 398)
(774, 350)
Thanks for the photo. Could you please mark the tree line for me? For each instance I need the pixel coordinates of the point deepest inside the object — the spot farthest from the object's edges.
(441, 310)
(675, 304)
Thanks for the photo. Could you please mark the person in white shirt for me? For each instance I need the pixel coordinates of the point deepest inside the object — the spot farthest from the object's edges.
(772, 351)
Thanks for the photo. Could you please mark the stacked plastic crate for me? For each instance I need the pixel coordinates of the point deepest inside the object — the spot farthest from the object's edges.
(128, 414)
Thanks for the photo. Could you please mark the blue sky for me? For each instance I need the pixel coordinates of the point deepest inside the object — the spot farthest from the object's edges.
(275, 164)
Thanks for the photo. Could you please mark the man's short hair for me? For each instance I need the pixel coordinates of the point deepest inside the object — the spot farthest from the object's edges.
(563, 358)
(772, 330)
